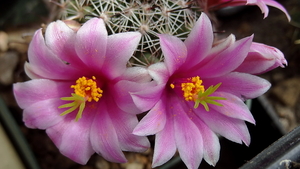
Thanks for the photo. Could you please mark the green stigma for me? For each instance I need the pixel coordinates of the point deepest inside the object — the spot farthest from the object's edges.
(204, 98)
(78, 101)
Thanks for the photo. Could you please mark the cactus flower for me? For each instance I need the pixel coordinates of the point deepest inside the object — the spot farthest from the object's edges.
(199, 95)
(72, 94)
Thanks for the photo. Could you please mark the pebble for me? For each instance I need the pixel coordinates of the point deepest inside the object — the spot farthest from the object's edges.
(288, 91)
(8, 63)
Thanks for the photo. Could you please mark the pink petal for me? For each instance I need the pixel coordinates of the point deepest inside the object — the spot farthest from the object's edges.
(91, 43)
(72, 137)
(45, 63)
(33, 91)
(165, 146)
(159, 72)
(242, 85)
(219, 47)
(262, 58)
(211, 144)
(136, 74)
(146, 99)
(233, 107)
(174, 52)
(230, 128)
(226, 61)
(200, 40)
(60, 39)
(278, 6)
(104, 138)
(154, 121)
(120, 48)
(122, 95)
(124, 124)
(43, 114)
(30, 72)
(187, 136)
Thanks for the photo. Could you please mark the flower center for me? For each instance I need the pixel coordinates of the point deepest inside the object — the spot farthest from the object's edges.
(85, 89)
(193, 90)
(88, 89)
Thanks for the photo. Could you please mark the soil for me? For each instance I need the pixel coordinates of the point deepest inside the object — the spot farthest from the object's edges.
(275, 30)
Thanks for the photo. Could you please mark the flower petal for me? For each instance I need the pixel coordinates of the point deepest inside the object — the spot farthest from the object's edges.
(72, 137)
(159, 72)
(187, 136)
(146, 99)
(199, 42)
(262, 58)
(104, 138)
(242, 85)
(233, 107)
(165, 146)
(124, 124)
(33, 91)
(278, 6)
(43, 114)
(120, 48)
(154, 121)
(211, 144)
(45, 63)
(60, 39)
(230, 128)
(220, 46)
(91, 42)
(136, 74)
(174, 52)
(226, 61)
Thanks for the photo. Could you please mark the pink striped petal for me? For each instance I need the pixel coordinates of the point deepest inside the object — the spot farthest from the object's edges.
(124, 124)
(233, 107)
(226, 61)
(91, 43)
(159, 72)
(187, 136)
(278, 6)
(45, 63)
(72, 137)
(165, 146)
(242, 85)
(174, 52)
(211, 145)
(200, 41)
(230, 128)
(60, 39)
(154, 121)
(120, 48)
(33, 91)
(43, 114)
(104, 138)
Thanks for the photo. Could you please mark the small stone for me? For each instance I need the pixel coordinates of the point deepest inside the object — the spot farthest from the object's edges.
(288, 91)
(134, 166)
(8, 62)
(3, 41)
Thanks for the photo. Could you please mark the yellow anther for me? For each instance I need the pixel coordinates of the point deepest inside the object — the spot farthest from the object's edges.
(172, 86)
(192, 88)
(87, 88)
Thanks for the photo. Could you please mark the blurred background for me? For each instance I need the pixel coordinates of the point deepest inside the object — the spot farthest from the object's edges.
(276, 113)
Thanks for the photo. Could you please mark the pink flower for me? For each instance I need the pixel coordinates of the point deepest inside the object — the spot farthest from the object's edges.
(208, 5)
(73, 94)
(262, 58)
(199, 95)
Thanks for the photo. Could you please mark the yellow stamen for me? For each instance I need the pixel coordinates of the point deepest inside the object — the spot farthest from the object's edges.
(87, 88)
(192, 88)
(84, 90)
